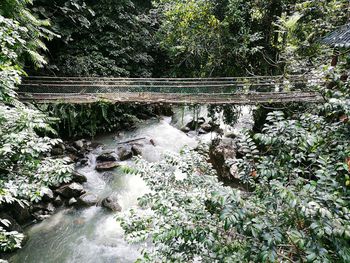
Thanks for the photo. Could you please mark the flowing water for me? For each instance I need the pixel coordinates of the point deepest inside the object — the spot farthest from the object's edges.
(93, 234)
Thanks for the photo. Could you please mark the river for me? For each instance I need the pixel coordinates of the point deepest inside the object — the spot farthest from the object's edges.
(92, 234)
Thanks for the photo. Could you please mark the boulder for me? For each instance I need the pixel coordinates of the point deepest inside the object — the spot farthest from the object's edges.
(124, 153)
(40, 215)
(78, 177)
(12, 226)
(72, 201)
(48, 195)
(79, 145)
(20, 213)
(83, 162)
(193, 124)
(185, 129)
(49, 208)
(111, 203)
(58, 201)
(206, 127)
(105, 166)
(57, 151)
(105, 157)
(219, 153)
(201, 131)
(70, 190)
(87, 200)
(136, 149)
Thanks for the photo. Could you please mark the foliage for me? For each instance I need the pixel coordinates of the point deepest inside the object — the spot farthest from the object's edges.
(26, 170)
(100, 38)
(91, 119)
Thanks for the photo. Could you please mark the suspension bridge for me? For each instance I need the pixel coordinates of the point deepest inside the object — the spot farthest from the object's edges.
(225, 90)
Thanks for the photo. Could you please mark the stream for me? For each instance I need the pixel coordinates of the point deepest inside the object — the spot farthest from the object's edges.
(93, 234)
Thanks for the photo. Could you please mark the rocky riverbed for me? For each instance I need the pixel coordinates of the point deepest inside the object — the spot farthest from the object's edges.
(75, 221)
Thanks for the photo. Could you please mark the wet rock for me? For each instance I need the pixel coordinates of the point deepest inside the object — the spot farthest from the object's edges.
(231, 135)
(49, 208)
(194, 124)
(57, 151)
(136, 149)
(219, 153)
(206, 127)
(78, 177)
(87, 200)
(201, 131)
(83, 162)
(79, 145)
(58, 201)
(48, 195)
(72, 201)
(124, 153)
(20, 213)
(70, 149)
(111, 203)
(185, 129)
(105, 166)
(12, 226)
(40, 215)
(71, 190)
(106, 157)
(152, 142)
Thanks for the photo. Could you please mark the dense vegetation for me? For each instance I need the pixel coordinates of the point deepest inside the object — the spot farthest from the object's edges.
(296, 166)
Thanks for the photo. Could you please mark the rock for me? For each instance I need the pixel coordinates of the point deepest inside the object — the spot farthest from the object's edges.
(83, 162)
(12, 226)
(201, 131)
(48, 195)
(57, 151)
(70, 149)
(206, 127)
(20, 213)
(152, 142)
(44, 207)
(106, 166)
(71, 190)
(58, 201)
(193, 124)
(40, 215)
(219, 153)
(79, 145)
(231, 135)
(136, 149)
(72, 201)
(106, 157)
(87, 200)
(185, 129)
(78, 177)
(124, 153)
(111, 203)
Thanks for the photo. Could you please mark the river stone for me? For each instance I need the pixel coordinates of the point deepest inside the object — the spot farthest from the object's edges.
(40, 215)
(136, 149)
(185, 129)
(72, 201)
(105, 166)
(111, 202)
(87, 200)
(219, 153)
(20, 213)
(12, 226)
(57, 151)
(71, 190)
(44, 207)
(105, 157)
(124, 153)
(78, 177)
(58, 201)
(48, 195)
(79, 145)
(201, 131)
(206, 127)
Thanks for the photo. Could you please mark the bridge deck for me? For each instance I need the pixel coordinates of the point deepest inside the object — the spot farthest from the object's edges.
(248, 90)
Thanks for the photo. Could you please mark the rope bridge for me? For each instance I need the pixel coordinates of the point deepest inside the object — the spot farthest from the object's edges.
(225, 90)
